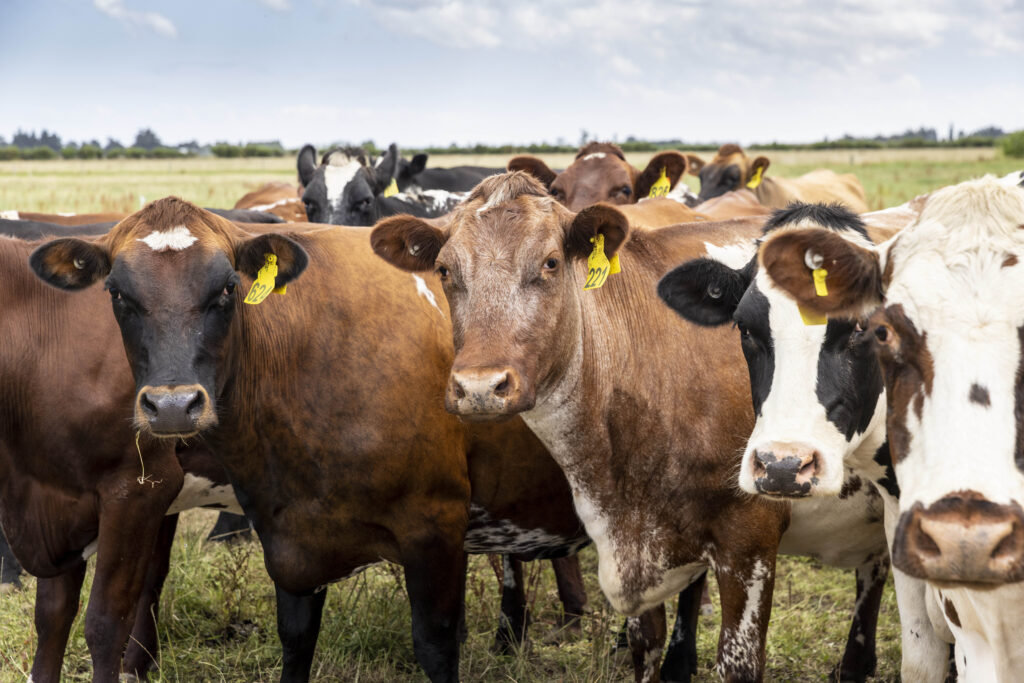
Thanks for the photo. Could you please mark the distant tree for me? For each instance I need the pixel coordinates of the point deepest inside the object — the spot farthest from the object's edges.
(989, 132)
(165, 152)
(147, 139)
(23, 140)
(41, 152)
(112, 144)
(69, 151)
(3, 142)
(136, 153)
(9, 153)
(90, 151)
(1013, 145)
(226, 150)
(51, 140)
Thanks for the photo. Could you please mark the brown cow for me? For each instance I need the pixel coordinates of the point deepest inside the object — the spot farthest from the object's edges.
(731, 169)
(658, 212)
(621, 392)
(325, 406)
(600, 173)
(278, 198)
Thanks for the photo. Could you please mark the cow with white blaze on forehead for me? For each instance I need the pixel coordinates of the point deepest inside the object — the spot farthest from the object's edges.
(348, 189)
(817, 391)
(941, 306)
(621, 409)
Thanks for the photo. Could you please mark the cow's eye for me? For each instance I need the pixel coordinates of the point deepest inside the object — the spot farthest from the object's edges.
(115, 294)
(555, 192)
(229, 289)
(551, 264)
(626, 190)
(442, 272)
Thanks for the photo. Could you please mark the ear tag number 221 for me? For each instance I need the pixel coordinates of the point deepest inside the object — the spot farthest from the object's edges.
(598, 265)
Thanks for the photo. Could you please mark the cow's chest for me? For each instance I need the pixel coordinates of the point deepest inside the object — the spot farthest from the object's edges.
(198, 491)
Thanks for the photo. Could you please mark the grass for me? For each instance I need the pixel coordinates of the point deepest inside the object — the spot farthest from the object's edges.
(217, 624)
(217, 620)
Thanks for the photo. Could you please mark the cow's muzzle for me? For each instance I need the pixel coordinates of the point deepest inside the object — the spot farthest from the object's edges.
(961, 539)
(174, 411)
(790, 470)
(487, 393)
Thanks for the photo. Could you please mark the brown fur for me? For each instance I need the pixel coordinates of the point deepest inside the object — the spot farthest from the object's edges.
(659, 212)
(74, 219)
(734, 204)
(280, 199)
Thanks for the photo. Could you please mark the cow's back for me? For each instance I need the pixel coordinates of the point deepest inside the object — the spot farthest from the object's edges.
(820, 185)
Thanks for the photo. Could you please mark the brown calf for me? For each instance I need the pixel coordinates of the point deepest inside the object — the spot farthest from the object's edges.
(600, 173)
(731, 169)
(623, 395)
(325, 405)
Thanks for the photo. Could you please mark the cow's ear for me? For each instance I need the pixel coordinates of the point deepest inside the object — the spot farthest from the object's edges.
(674, 165)
(418, 163)
(851, 284)
(535, 167)
(386, 169)
(251, 255)
(693, 164)
(307, 164)
(601, 219)
(704, 291)
(758, 167)
(70, 263)
(407, 242)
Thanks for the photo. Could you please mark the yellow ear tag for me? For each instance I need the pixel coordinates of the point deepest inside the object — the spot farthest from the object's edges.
(614, 264)
(264, 283)
(661, 186)
(756, 180)
(819, 275)
(811, 318)
(598, 267)
(391, 189)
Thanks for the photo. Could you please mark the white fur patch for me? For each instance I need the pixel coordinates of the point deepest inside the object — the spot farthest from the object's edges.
(201, 492)
(424, 291)
(735, 255)
(337, 177)
(272, 205)
(10, 215)
(594, 155)
(176, 238)
(66, 214)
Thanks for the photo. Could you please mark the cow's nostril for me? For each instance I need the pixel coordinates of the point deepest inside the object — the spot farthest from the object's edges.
(460, 393)
(502, 387)
(808, 468)
(148, 407)
(195, 406)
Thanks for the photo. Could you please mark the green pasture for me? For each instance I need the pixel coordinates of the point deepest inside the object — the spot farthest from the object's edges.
(217, 619)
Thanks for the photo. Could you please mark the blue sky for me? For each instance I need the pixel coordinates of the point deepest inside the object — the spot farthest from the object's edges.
(438, 71)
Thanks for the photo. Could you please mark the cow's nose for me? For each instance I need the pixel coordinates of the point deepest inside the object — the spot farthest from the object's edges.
(486, 392)
(961, 538)
(173, 410)
(786, 469)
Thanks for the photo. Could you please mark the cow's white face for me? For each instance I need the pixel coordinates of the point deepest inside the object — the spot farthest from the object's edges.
(817, 395)
(949, 331)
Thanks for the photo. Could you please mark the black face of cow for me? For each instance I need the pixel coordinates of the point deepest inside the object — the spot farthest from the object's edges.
(717, 179)
(345, 190)
(174, 340)
(816, 389)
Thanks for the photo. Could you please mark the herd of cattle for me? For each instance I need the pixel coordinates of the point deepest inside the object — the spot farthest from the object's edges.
(484, 362)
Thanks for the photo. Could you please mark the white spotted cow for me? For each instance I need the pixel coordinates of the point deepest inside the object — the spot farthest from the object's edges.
(938, 305)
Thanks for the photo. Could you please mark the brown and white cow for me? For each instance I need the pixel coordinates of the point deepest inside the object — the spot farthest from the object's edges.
(732, 169)
(325, 406)
(615, 385)
(938, 301)
(278, 198)
(600, 173)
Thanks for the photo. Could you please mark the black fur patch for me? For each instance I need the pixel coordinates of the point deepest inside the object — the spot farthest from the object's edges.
(832, 216)
(705, 291)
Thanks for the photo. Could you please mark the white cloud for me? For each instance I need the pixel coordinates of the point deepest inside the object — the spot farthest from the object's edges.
(153, 21)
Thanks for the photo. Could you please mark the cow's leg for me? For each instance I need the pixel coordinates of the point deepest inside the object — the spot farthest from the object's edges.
(10, 570)
(681, 657)
(571, 591)
(298, 627)
(646, 637)
(435, 576)
(56, 607)
(514, 617)
(859, 658)
(925, 653)
(141, 653)
(131, 514)
(745, 583)
(230, 527)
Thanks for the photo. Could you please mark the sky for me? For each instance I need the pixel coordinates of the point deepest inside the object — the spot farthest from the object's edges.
(433, 72)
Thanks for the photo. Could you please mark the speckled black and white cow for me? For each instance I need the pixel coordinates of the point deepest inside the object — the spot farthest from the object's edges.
(940, 311)
(348, 189)
(817, 393)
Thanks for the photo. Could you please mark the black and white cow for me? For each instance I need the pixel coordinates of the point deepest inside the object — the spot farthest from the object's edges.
(939, 301)
(817, 391)
(413, 175)
(347, 189)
